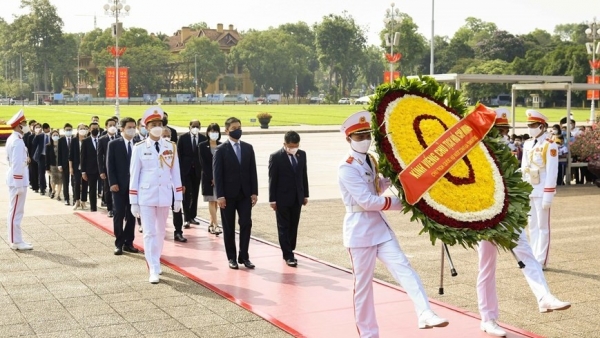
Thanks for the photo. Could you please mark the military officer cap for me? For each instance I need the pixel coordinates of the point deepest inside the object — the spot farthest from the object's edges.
(151, 114)
(16, 119)
(534, 116)
(502, 117)
(357, 123)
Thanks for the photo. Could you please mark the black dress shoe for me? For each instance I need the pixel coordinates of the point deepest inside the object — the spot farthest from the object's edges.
(233, 264)
(194, 222)
(67, 202)
(291, 262)
(42, 193)
(186, 225)
(180, 238)
(130, 248)
(248, 264)
(118, 251)
(110, 214)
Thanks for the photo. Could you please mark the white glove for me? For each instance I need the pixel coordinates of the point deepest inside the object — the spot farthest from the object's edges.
(135, 210)
(21, 190)
(547, 200)
(384, 183)
(177, 206)
(546, 205)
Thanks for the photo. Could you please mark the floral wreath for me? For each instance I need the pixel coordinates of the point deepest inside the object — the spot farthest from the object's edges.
(481, 197)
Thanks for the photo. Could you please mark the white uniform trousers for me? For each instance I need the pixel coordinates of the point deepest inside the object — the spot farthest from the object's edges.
(487, 297)
(154, 224)
(363, 267)
(539, 230)
(15, 214)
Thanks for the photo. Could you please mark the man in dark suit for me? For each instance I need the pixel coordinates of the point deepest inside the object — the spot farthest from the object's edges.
(236, 183)
(64, 145)
(288, 192)
(33, 174)
(191, 170)
(118, 157)
(89, 164)
(80, 187)
(111, 134)
(39, 145)
(173, 131)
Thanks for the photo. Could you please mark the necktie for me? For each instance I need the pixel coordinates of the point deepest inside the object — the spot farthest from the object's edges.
(68, 143)
(369, 162)
(45, 142)
(535, 142)
(294, 162)
(129, 151)
(95, 143)
(238, 153)
(195, 144)
(157, 147)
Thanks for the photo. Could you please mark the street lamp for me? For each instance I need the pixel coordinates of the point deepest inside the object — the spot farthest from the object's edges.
(196, 75)
(78, 65)
(432, 36)
(593, 31)
(116, 8)
(392, 39)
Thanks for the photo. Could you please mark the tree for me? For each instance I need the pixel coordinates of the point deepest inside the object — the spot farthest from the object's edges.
(481, 91)
(572, 32)
(198, 25)
(205, 56)
(372, 66)
(473, 31)
(501, 45)
(304, 35)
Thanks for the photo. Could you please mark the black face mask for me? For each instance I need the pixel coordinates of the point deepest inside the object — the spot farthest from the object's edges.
(95, 132)
(236, 134)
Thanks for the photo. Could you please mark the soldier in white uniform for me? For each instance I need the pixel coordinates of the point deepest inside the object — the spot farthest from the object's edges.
(540, 168)
(154, 171)
(487, 297)
(17, 179)
(367, 234)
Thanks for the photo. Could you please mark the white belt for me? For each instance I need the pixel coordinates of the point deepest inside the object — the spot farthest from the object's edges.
(354, 208)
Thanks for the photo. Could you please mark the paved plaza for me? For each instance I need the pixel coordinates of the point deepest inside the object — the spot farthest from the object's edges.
(71, 284)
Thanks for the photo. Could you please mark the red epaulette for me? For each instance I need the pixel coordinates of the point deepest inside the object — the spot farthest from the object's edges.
(550, 140)
(350, 160)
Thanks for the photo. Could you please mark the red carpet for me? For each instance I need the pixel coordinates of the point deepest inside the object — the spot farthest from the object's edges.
(312, 300)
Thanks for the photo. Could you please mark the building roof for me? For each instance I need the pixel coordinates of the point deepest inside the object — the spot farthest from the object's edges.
(226, 38)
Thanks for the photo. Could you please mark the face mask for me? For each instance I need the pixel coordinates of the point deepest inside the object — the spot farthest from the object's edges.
(556, 132)
(213, 136)
(156, 131)
(112, 130)
(55, 138)
(95, 132)
(236, 134)
(292, 151)
(68, 133)
(195, 131)
(25, 129)
(143, 131)
(37, 130)
(82, 132)
(535, 132)
(130, 132)
(360, 147)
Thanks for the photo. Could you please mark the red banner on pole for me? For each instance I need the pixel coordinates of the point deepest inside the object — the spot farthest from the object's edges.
(435, 161)
(110, 84)
(593, 94)
(123, 83)
(386, 76)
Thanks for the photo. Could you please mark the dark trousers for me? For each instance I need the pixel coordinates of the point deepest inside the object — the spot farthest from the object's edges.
(122, 212)
(66, 179)
(288, 218)
(80, 187)
(107, 196)
(177, 218)
(100, 185)
(42, 172)
(243, 205)
(33, 175)
(190, 198)
(92, 181)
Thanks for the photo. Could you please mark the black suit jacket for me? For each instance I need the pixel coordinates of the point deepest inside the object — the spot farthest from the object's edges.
(75, 153)
(188, 158)
(232, 177)
(101, 152)
(173, 134)
(89, 157)
(117, 164)
(63, 153)
(206, 160)
(51, 156)
(286, 186)
(38, 145)
(27, 138)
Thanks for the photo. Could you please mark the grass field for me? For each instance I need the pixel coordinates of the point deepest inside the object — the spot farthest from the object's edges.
(180, 115)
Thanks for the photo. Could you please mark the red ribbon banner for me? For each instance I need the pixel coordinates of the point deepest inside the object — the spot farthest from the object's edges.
(425, 170)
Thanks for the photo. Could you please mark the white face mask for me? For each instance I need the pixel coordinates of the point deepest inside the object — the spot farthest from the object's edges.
(213, 135)
(195, 130)
(156, 131)
(167, 138)
(25, 129)
(37, 130)
(68, 133)
(82, 132)
(112, 130)
(292, 151)
(55, 138)
(143, 131)
(130, 132)
(535, 132)
(360, 147)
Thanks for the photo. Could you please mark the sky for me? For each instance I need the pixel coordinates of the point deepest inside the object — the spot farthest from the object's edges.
(514, 16)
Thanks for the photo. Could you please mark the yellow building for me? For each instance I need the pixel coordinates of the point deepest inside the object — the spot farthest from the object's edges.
(235, 80)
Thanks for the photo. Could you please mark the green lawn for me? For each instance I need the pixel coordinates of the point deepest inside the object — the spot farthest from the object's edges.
(180, 115)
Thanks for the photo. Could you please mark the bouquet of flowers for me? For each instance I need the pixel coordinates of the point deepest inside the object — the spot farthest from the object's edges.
(586, 145)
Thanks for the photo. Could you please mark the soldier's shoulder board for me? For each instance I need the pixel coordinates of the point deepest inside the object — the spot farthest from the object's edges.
(141, 142)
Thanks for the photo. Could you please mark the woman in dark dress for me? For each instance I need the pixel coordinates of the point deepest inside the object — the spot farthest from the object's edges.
(207, 150)
(51, 167)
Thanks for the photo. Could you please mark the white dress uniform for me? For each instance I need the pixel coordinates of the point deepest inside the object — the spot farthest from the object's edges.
(17, 180)
(368, 236)
(154, 176)
(541, 155)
